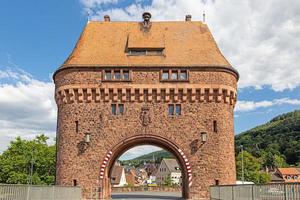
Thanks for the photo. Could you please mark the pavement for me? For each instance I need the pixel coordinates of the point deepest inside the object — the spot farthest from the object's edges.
(147, 196)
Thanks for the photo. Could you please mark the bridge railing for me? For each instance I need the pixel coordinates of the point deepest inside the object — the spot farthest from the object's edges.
(276, 191)
(33, 192)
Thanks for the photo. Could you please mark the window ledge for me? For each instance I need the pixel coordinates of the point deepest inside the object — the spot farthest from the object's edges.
(116, 80)
(170, 80)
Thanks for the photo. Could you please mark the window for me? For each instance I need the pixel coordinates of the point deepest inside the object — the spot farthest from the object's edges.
(146, 52)
(215, 126)
(174, 75)
(174, 109)
(171, 109)
(288, 177)
(183, 75)
(74, 182)
(116, 75)
(107, 75)
(137, 52)
(114, 109)
(295, 177)
(165, 75)
(121, 109)
(178, 109)
(76, 126)
(126, 75)
(117, 109)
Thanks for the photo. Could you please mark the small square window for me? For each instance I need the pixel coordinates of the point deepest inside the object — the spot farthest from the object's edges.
(178, 109)
(174, 75)
(117, 75)
(114, 109)
(165, 75)
(107, 75)
(183, 75)
(171, 109)
(121, 109)
(126, 75)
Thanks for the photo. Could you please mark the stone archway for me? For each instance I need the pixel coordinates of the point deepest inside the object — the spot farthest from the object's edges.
(119, 149)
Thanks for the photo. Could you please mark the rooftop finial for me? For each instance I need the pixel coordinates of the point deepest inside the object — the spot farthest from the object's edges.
(106, 18)
(188, 18)
(146, 17)
(203, 16)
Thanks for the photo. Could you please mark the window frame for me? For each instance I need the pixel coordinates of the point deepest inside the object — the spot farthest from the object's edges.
(145, 52)
(113, 78)
(174, 113)
(170, 73)
(117, 109)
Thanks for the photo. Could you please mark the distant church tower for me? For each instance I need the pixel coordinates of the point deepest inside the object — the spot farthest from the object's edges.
(132, 83)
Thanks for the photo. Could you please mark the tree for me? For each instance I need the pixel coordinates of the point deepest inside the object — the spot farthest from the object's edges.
(168, 181)
(22, 155)
(252, 167)
(279, 161)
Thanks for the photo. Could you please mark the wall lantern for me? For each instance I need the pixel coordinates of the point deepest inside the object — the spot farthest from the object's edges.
(87, 138)
(203, 137)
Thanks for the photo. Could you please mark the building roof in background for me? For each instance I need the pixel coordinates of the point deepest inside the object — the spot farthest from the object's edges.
(276, 178)
(116, 174)
(289, 171)
(172, 164)
(185, 43)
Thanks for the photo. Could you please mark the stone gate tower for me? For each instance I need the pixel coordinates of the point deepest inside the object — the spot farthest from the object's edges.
(133, 83)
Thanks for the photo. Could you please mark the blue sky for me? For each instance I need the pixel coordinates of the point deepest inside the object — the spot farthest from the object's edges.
(37, 36)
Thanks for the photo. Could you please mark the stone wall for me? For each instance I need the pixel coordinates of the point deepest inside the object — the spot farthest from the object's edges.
(83, 98)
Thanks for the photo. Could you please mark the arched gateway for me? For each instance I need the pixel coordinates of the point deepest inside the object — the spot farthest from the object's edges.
(132, 83)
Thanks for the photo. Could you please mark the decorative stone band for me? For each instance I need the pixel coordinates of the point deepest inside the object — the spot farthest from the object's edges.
(136, 94)
(188, 167)
(104, 164)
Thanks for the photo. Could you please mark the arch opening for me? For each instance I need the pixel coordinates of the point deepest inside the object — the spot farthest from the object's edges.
(152, 140)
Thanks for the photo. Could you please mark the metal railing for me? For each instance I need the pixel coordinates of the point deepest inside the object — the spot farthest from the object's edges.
(33, 192)
(276, 191)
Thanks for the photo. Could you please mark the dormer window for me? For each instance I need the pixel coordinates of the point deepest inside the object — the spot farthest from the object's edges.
(146, 52)
(116, 75)
(174, 75)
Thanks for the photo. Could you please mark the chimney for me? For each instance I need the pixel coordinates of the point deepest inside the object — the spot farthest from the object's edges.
(188, 18)
(106, 18)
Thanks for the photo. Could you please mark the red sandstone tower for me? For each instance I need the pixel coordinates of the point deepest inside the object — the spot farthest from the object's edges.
(133, 83)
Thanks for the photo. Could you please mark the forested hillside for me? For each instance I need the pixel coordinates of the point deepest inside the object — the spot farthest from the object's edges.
(276, 141)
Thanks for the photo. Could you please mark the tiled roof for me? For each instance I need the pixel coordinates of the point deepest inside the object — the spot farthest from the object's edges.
(116, 174)
(183, 43)
(172, 164)
(289, 171)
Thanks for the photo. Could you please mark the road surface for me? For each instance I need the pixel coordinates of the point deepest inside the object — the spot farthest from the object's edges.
(147, 196)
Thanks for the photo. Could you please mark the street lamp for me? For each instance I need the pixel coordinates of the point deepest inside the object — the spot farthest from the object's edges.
(203, 137)
(87, 138)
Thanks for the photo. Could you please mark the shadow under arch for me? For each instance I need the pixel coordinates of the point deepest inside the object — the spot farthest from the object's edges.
(155, 140)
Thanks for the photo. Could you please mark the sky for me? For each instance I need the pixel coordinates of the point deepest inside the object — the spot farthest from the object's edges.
(261, 39)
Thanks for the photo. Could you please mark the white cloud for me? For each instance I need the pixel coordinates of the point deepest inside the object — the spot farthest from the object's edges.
(244, 106)
(260, 38)
(27, 107)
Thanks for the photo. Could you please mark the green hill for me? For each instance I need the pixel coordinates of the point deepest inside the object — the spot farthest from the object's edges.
(156, 155)
(280, 136)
